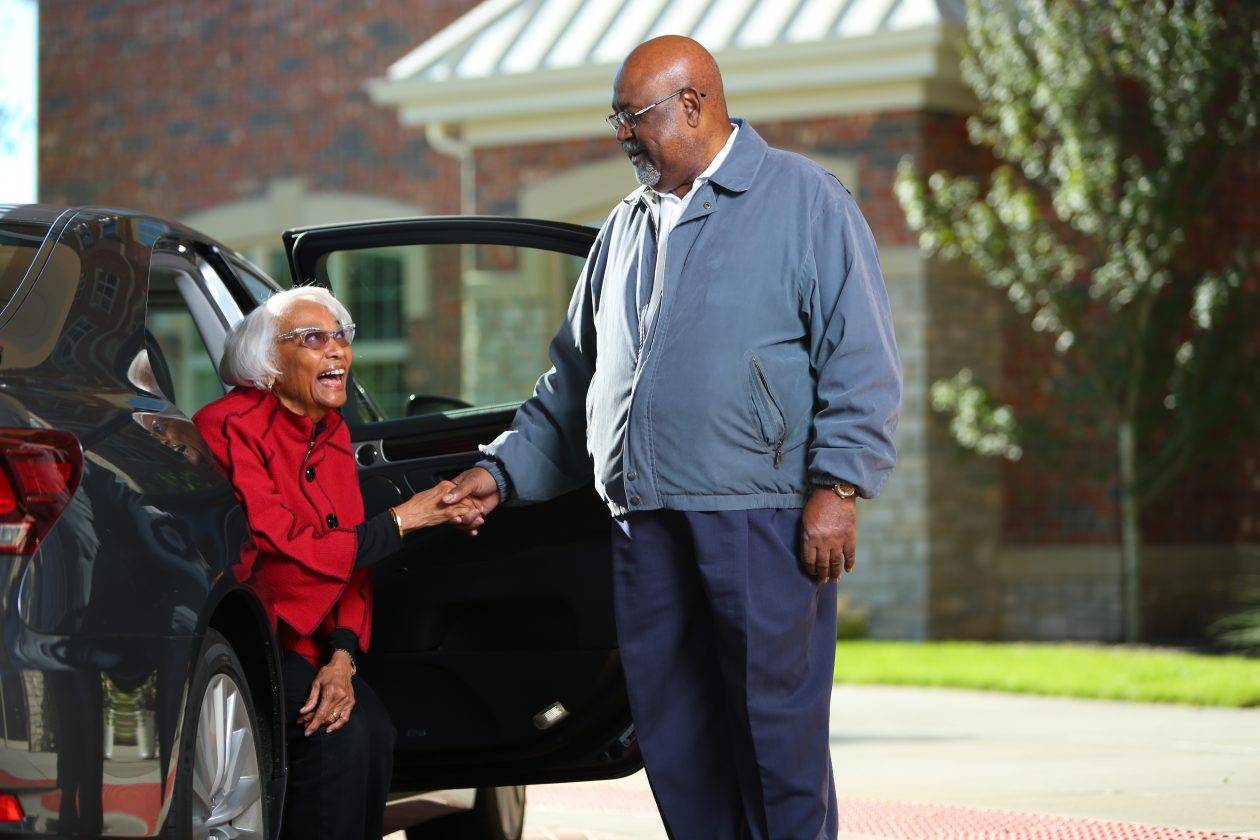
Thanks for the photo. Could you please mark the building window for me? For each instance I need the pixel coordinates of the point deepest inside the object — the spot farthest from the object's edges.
(373, 292)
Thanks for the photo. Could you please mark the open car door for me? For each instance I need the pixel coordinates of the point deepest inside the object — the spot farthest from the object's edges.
(495, 655)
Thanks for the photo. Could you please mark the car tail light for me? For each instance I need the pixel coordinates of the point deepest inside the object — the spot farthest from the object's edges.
(10, 808)
(39, 472)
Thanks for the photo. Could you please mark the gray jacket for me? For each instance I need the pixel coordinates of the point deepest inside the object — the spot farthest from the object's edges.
(769, 365)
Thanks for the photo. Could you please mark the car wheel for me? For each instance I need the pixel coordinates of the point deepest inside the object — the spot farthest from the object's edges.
(497, 814)
(219, 789)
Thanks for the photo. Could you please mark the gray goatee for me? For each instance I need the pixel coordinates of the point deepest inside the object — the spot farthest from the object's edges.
(647, 174)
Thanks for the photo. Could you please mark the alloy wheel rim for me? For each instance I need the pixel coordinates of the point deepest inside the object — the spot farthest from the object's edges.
(226, 788)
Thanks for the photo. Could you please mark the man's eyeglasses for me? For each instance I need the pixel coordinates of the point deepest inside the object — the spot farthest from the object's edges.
(313, 338)
(617, 120)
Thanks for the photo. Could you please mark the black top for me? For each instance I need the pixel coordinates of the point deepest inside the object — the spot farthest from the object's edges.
(378, 539)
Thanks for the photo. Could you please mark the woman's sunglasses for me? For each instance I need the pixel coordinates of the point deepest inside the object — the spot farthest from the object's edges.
(313, 338)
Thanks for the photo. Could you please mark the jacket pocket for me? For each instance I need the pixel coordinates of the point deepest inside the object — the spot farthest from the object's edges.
(771, 420)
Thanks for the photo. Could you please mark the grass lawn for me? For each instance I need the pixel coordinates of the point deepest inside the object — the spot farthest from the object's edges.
(1070, 670)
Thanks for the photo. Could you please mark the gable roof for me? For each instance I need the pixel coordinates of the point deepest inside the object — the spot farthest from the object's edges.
(500, 37)
(532, 70)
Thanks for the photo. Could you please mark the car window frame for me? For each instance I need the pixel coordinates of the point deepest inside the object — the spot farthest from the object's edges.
(305, 247)
(205, 289)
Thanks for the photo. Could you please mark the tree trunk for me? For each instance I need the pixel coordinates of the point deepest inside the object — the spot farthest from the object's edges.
(1130, 534)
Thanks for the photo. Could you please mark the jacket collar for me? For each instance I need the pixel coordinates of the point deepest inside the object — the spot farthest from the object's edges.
(738, 170)
(294, 426)
(740, 167)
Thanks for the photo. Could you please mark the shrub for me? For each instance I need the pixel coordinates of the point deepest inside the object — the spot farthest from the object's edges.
(851, 622)
(1242, 629)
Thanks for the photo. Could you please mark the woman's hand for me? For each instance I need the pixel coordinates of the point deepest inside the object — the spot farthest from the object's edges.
(332, 696)
(427, 508)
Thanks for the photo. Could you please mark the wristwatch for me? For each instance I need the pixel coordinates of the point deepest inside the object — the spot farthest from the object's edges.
(844, 489)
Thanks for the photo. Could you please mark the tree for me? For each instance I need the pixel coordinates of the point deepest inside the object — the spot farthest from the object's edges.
(1112, 122)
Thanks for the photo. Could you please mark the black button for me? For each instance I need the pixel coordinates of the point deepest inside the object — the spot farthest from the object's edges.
(331, 520)
(634, 500)
(310, 473)
(632, 475)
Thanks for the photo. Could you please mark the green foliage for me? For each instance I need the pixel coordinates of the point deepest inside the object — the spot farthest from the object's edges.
(851, 622)
(1066, 670)
(977, 422)
(1112, 121)
(1242, 629)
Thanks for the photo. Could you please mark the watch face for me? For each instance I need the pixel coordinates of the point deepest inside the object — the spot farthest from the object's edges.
(846, 490)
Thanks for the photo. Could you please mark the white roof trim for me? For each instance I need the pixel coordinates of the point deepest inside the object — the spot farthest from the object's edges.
(449, 38)
(503, 37)
(888, 70)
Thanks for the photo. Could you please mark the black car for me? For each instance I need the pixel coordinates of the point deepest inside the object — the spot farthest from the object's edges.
(139, 681)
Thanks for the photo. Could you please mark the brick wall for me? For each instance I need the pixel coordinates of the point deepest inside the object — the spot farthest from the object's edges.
(172, 107)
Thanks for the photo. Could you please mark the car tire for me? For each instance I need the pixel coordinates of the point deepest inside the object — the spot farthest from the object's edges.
(220, 785)
(497, 814)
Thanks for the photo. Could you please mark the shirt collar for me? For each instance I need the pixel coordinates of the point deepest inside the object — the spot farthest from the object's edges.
(736, 171)
(713, 166)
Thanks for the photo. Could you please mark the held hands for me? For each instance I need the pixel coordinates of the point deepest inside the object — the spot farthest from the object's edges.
(331, 698)
(429, 508)
(477, 488)
(829, 535)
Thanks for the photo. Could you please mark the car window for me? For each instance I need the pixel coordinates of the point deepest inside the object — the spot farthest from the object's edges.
(19, 243)
(181, 364)
(259, 285)
(442, 327)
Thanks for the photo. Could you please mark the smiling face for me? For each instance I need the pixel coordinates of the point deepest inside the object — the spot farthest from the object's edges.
(311, 381)
(674, 141)
(655, 143)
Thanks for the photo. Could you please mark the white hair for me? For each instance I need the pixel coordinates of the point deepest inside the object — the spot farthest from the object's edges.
(249, 354)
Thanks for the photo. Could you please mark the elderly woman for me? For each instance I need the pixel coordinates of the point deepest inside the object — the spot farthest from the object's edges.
(283, 443)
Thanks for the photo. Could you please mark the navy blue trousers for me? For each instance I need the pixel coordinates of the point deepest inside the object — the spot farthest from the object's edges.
(728, 649)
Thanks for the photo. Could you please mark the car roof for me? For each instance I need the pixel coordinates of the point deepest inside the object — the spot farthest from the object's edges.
(44, 214)
(47, 214)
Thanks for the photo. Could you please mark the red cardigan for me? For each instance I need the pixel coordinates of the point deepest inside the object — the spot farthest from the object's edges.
(301, 497)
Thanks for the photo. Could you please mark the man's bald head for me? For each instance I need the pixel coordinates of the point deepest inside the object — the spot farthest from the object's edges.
(673, 62)
(675, 140)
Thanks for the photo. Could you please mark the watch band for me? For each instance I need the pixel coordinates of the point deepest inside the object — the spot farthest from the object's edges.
(844, 489)
(393, 514)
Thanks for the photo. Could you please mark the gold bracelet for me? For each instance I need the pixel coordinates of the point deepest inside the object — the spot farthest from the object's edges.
(398, 522)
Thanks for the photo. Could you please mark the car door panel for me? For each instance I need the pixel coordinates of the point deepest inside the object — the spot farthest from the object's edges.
(495, 655)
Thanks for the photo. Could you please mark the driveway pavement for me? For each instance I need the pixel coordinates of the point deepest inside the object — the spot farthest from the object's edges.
(940, 763)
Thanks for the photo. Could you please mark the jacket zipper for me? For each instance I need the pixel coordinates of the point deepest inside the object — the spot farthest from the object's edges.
(765, 384)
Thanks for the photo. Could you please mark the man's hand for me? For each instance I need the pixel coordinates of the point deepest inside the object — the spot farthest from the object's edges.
(331, 698)
(829, 534)
(476, 486)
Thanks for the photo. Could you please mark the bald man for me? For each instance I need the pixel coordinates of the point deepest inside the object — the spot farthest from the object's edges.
(729, 372)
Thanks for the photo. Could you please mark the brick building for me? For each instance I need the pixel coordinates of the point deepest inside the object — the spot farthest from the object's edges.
(245, 119)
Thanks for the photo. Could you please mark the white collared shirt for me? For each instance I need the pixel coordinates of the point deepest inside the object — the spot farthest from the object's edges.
(669, 209)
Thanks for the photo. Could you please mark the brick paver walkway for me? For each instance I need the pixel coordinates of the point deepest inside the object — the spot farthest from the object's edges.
(859, 817)
(934, 764)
